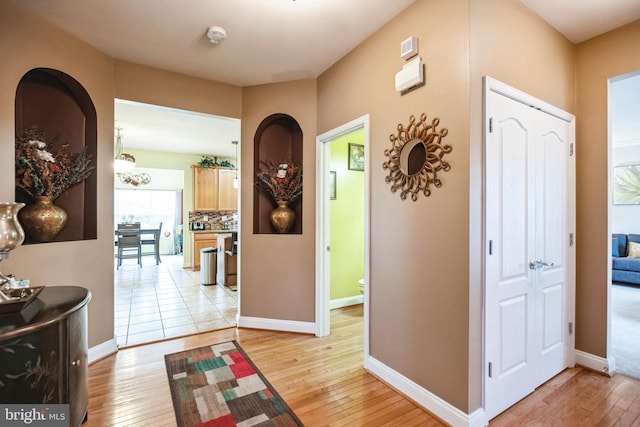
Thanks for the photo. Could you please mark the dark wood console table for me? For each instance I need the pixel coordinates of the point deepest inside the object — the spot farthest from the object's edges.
(43, 351)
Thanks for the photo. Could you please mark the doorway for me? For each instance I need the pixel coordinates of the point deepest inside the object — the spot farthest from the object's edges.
(165, 299)
(624, 209)
(530, 252)
(326, 188)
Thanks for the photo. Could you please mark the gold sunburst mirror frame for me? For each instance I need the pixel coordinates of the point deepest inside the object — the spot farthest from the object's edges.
(416, 157)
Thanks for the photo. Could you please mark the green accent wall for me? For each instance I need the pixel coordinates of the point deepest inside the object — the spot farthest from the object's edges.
(347, 220)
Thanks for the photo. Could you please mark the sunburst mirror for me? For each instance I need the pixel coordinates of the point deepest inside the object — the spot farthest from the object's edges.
(416, 157)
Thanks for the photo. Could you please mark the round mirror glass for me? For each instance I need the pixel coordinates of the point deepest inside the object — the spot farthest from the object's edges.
(413, 157)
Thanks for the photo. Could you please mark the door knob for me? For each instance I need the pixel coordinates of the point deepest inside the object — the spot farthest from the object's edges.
(539, 263)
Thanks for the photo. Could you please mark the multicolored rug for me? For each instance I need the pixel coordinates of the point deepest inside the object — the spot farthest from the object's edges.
(218, 385)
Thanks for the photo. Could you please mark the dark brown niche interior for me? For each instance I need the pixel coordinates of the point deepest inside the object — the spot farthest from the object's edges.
(278, 138)
(58, 105)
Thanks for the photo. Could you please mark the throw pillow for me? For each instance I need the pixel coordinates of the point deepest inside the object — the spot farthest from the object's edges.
(634, 250)
(614, 247)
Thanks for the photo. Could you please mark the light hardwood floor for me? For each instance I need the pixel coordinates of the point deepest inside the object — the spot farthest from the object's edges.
(323, 381)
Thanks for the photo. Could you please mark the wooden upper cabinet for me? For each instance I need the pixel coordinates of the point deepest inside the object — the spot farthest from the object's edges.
(205, 189)
(227, 195)
(213, 189)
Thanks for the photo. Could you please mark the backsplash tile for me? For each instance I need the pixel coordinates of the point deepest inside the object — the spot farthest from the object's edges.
(227, 220)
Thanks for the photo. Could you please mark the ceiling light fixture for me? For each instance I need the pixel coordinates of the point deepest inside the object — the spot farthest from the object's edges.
(216, 34)
(123, 162)
(235, 180)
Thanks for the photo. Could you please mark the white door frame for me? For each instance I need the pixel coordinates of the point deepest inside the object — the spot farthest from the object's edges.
(322, 225)
(492, 85)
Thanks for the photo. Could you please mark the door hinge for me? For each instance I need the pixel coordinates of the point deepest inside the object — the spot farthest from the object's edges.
(490, 124)
(570, 239)
(571, 149)
(570, 328)
(490, 247)
(328, 248)
(490, 370)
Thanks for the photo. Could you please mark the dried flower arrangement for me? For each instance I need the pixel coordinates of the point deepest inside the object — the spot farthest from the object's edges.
(283, 181)
(47, 168)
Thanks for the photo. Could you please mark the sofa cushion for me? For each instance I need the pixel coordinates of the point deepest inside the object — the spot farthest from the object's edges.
(614, 247)
(626, 263)
(634, 250)
(634, 238)
(622, 244)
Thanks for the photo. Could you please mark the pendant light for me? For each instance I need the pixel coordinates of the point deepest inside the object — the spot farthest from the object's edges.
(235, 180)
(123, 162)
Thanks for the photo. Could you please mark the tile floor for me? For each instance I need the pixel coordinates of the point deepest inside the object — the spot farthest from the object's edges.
(154, 302)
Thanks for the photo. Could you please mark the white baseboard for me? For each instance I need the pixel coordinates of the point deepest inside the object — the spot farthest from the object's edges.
(597, 363)
(103, 350)
(346, 302)
(423, 397)
(277, 325)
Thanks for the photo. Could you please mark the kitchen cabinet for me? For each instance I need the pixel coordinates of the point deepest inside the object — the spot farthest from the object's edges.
(45, 355)
(200, 241)
(213, 189)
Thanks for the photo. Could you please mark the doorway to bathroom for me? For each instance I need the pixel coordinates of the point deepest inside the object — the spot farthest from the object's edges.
(342, 222)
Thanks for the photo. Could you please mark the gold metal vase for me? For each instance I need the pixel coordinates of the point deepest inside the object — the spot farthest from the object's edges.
(283, 217)
(43, 220)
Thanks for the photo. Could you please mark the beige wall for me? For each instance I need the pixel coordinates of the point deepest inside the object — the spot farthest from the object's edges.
(419, 258)
(598, 60)
(135, 82)
(27, 43)
(277, 272)
(426, 297)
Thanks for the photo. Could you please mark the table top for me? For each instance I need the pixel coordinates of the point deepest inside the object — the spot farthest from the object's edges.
(50, 306)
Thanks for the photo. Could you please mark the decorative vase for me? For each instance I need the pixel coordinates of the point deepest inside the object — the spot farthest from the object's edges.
(283, 217)
(43, 220)
(11, 233)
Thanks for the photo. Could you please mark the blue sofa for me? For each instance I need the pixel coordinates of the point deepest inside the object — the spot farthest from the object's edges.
(624, 269)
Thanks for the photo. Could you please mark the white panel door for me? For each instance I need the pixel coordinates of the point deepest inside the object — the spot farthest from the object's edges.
(526, 231)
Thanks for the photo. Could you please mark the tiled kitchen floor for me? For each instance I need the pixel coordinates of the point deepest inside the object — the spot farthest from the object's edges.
(154, 302)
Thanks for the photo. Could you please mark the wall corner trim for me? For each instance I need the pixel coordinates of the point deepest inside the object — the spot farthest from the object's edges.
(103, 350)
(277, 325)
(423, 397)
(596, 363)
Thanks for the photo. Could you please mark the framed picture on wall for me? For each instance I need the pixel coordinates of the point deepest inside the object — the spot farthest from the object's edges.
(626, 185)
(332, 185)
(356, 157)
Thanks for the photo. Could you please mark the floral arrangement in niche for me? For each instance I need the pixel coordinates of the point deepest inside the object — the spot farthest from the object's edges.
(282, 181)
(48, 168)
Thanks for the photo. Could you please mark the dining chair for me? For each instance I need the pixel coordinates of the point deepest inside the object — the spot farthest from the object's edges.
(129, 242)
(155, 241)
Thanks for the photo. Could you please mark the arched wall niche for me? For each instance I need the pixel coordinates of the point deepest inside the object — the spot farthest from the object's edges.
(278, 139)
(59, 105)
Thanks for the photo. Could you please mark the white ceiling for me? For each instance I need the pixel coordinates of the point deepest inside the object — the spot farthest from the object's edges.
(580, 20)
(267, 41)
(154, 128)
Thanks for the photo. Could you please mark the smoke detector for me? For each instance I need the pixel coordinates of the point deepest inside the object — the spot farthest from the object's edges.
(216, 34)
